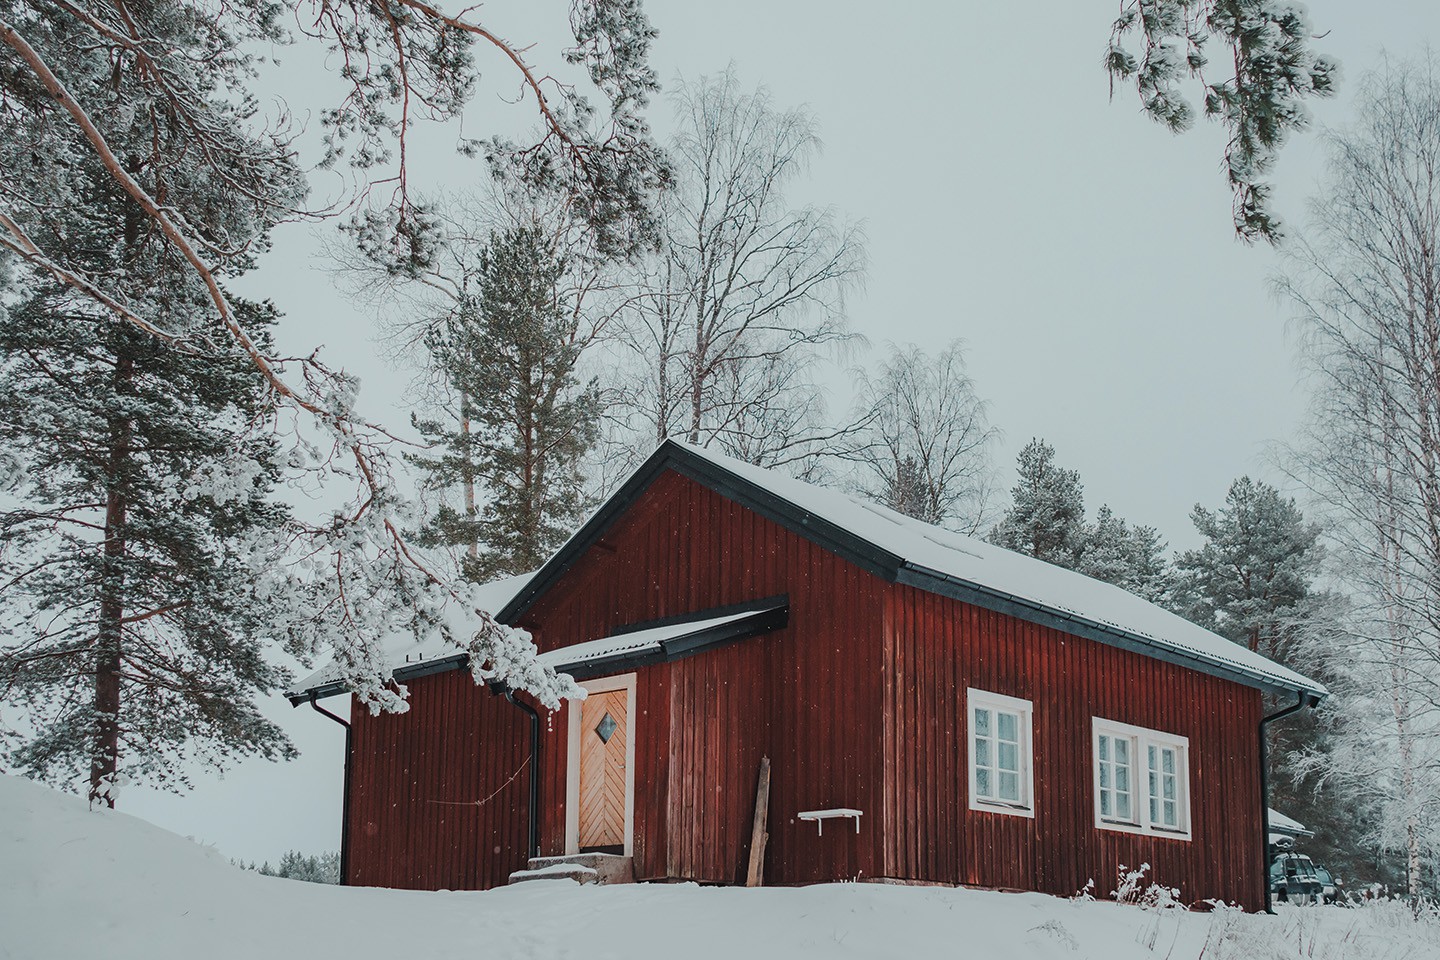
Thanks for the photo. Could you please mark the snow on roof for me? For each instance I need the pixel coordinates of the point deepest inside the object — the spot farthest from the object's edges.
(634, 644)
(951, 555)
(403, 649)
(1281, 824)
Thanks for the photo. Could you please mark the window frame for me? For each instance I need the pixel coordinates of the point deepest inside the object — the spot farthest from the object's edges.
(1141, 740)
(1025, 710)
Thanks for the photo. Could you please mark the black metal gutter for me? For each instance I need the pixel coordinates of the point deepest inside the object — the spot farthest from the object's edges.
(1301, 702)
(345, 803)
(533, 835)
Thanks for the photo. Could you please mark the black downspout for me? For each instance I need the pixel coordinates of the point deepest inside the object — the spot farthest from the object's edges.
(345, 804)
(1302, 701)
(534, 829)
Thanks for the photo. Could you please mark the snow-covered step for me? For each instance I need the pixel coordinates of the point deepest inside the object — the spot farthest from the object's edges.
(580, 867)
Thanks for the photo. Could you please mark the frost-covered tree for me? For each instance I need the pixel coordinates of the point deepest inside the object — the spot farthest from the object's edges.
(135, 544)
(747, 289)
(924, 446)
(1366, 284)
(524, 420)
(1046, 518)
(135, 620)
(294, 865)
(1255, 573)
(1128, 556)
(74, 78)
(1265, 72)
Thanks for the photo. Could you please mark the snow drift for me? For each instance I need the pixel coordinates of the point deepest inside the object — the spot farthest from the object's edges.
(77, 883)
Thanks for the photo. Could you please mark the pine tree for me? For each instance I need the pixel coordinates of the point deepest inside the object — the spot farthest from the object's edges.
(1252, 578)
(524, 420)
(1253, 581)
(137, 627)
(132, 608)
(1047, 518)
(1127, 556)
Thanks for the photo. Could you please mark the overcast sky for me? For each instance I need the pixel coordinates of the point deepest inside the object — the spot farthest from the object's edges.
(1083, 254)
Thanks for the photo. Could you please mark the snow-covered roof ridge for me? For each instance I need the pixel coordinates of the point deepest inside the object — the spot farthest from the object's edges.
(1014, 577)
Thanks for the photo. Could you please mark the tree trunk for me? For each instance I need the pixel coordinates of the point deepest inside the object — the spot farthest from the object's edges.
(105, 750)
(467, 481)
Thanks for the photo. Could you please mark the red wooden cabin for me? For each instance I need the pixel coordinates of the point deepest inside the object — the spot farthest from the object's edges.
(985, 718)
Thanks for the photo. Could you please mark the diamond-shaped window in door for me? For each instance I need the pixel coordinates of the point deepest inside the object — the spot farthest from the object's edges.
(605, 729)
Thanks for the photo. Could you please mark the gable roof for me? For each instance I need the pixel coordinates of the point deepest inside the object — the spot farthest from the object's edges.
(901, 549)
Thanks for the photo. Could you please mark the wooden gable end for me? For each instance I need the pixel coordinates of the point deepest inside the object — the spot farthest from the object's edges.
(806, 696)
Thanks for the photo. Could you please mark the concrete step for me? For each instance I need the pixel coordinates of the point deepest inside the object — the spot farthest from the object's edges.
(557, 871)
(580, 867)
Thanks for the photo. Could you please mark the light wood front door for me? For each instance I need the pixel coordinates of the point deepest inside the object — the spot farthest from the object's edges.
(604, 734)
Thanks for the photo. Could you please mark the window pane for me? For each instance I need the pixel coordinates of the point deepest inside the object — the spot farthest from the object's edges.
(1009, 724)
(1104, 748)
(1154, 810)
(1104, 776)
(982, 723)
(1009, 755)
(1105, 803)
(1154, 763)
(1170, 813)
(1122, 751)
(1122, 806)
(982, 783)
(1168, 757)
(1010, 787)
(1122, 779)
(982, 753)
(1169, 788)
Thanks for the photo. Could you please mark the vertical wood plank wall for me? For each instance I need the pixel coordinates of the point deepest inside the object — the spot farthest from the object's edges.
(415, 778)
(935, 648)
(858, 703)
(806, 696)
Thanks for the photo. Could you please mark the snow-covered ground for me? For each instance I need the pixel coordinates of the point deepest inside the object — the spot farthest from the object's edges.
(79, 884)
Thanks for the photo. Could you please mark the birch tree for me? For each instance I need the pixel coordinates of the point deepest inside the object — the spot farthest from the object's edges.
(747, 291)
(924, 448)
(1366, 285)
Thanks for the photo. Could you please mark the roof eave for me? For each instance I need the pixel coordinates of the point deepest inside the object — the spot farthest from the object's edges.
(768, 615)
(934, 581)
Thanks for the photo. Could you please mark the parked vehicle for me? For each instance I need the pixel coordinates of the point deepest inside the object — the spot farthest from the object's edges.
(1294, 879)
(1330, 885)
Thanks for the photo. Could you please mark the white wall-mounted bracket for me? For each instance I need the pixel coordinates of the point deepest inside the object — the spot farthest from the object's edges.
(820, 816)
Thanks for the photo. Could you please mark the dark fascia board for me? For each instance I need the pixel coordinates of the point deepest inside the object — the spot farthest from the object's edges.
(762, 621)
(670, 455)
(406, 671)
(711, 613)
(769, 615)
(934, 582)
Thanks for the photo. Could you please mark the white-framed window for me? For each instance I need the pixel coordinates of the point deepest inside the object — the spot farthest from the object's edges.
(1000, 753)
(1142, 779)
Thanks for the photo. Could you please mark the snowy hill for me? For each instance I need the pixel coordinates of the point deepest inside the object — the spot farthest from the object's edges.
(76, 883)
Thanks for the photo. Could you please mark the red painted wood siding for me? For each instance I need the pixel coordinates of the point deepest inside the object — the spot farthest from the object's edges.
(860, 703)
(935, 648)
(808, 699)
(415, 780)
